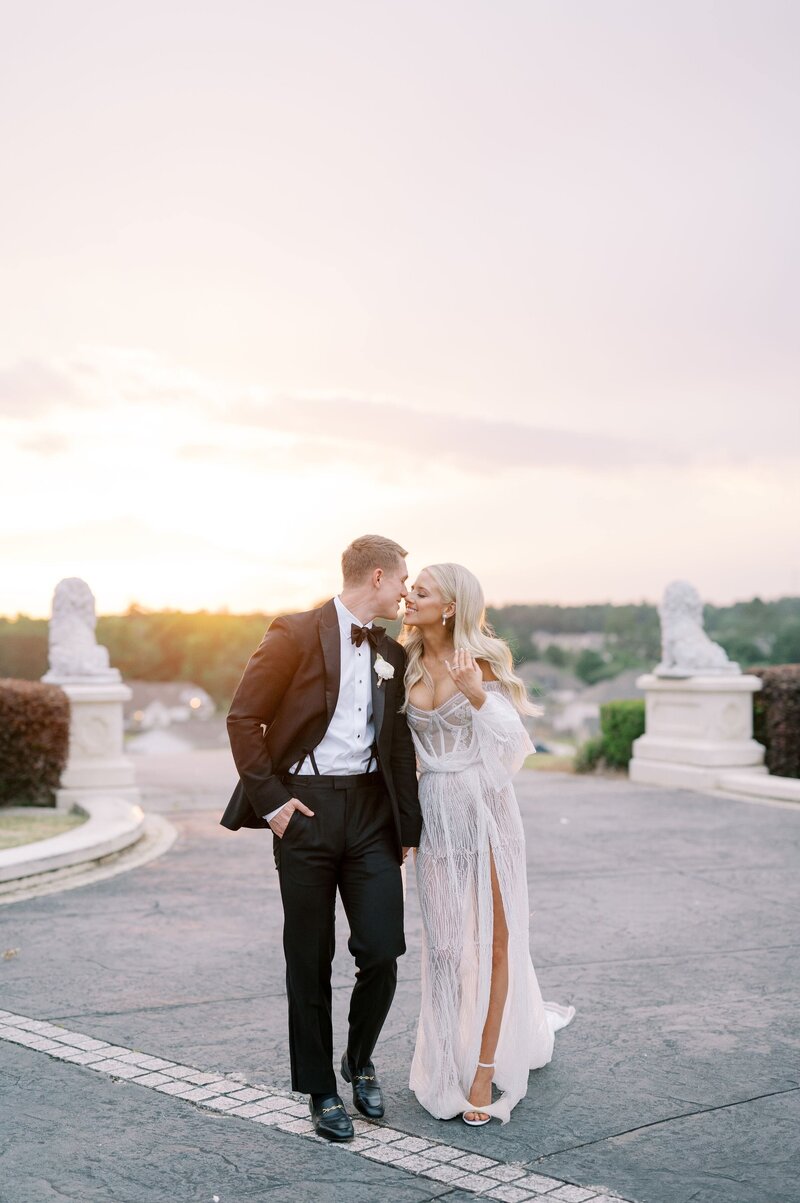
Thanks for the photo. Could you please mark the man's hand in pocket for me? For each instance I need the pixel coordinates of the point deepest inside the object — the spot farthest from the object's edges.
(281, 820)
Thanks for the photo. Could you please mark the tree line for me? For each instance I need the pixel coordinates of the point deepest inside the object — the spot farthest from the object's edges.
(211, 650)
(752, 633)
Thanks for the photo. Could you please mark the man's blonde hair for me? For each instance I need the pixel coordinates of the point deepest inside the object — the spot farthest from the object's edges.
(367, 553)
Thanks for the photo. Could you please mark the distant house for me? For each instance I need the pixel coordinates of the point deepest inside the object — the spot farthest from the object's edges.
(542, 677)
(155, 705)
(578, 641)
(580, 716)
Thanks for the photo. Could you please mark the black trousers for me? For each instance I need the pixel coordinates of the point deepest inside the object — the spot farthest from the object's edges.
(351, 845)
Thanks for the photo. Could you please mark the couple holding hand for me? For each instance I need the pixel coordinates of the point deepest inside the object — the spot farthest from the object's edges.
(328, 726)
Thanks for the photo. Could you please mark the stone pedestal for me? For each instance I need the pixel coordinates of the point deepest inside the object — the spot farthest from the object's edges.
(96, 763)
(696, 730)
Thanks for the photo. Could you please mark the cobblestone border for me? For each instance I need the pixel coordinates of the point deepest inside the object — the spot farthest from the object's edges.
(227, 1094)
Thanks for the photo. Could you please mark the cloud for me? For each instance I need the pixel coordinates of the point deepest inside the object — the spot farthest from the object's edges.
(324, 425)
(327, 428)
(31, 387)
(92, 377)
(138, 376)
(466, 442)
(250, 456)
(46, 444)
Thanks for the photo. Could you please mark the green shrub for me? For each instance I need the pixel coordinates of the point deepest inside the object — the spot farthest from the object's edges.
(776, 717)
(589, 755)
(34, 741)
(620, 724)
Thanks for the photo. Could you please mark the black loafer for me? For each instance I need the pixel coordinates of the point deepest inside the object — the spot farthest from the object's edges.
(367, 1094)
(330, 1118)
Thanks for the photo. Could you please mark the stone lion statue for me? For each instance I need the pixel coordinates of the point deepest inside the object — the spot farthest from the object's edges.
(685, 648)
(74, 650)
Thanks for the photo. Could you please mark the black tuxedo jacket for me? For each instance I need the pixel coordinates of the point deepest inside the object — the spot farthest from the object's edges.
(283, 706)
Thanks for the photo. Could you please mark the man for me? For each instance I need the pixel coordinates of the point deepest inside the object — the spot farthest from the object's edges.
(325, 759)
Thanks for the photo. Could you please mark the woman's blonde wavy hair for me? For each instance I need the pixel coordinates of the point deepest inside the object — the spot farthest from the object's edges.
(459, 587)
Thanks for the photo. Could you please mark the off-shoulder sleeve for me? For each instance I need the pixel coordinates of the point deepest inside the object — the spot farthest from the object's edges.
(503, 742)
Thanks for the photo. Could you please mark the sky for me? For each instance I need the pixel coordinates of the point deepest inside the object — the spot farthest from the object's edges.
(513, 283)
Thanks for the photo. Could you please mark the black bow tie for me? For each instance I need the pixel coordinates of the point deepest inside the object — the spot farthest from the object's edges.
(373, 635)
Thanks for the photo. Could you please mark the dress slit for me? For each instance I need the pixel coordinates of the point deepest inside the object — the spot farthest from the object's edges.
(498, 904)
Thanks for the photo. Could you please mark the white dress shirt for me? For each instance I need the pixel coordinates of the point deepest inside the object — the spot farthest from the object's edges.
(346, 747)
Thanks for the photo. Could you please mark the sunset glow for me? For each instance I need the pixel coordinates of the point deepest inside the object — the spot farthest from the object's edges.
(515, 286)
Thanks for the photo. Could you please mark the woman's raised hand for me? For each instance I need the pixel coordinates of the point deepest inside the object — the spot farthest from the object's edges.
(467, 676)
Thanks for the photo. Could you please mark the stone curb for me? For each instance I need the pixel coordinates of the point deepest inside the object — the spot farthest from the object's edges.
(760, 785)
(113, 824)
(158, 838)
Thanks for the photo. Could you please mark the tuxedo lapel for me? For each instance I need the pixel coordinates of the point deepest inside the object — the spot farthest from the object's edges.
(330, 639)
(378, 695)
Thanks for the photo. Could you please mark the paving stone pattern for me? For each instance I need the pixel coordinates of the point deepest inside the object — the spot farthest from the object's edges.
(670, 919)
(288, 1112)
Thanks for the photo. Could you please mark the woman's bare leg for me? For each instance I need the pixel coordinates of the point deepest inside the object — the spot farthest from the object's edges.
(481, 1090)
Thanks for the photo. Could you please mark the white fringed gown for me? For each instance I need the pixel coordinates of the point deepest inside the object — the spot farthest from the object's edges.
(467, 758)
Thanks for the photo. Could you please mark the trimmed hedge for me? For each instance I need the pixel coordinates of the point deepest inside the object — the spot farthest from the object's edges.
(620, 724)
(34, 741)
(776, 717)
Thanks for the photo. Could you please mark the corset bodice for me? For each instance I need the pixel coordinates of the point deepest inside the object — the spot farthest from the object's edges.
(447, 730)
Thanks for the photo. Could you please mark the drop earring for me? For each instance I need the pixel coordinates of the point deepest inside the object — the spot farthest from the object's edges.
(444, 620)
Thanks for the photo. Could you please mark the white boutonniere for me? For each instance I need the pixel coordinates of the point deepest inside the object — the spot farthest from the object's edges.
(384, 671)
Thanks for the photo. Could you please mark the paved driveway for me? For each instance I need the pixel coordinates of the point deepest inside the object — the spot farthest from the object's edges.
(669, 919)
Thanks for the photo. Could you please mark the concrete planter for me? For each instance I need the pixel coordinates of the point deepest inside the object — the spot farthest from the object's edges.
(696, 730)
(113, 824)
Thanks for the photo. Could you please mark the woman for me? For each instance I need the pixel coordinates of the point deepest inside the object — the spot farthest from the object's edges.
(482, 1018)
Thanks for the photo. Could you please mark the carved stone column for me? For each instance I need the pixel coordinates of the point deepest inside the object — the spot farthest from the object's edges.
(80, 666)
(698, 705)
(96, 761)
(696, 730)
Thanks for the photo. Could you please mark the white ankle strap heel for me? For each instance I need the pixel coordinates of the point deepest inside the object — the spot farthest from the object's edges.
(478, 1123)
